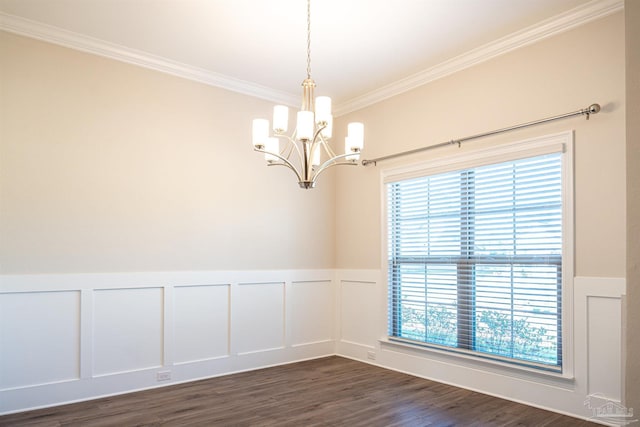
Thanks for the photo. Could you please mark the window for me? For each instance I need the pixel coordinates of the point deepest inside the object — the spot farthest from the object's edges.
(475, 259)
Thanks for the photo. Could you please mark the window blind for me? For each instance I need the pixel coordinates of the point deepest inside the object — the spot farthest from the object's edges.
(475, 260)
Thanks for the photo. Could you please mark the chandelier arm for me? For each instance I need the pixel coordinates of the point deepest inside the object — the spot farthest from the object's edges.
(324, 168)
(319, 139)
(317, 133)
(286, 163)
(290, 147)
(329, 150)
(287, 152)
(292, 142)
(327, 147)
(333, 162)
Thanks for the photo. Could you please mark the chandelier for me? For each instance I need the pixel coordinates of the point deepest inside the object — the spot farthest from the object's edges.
(307, 151)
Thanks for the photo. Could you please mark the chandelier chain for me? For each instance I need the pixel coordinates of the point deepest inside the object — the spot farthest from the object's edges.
(308, 39)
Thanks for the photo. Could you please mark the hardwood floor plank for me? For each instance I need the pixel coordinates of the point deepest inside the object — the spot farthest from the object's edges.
(326, 392)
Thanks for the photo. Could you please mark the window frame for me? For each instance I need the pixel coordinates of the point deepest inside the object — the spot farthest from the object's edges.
(556, 143)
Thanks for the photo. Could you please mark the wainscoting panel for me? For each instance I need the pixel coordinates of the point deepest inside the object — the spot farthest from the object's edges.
(201, 322)
(127, 330)
(601, 306)
(39, 338)
(75, 337)
(311, 312)
(258, 317)
(359, 312)
(603, 363)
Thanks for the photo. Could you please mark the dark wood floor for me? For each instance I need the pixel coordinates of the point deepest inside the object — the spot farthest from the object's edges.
(331, 391)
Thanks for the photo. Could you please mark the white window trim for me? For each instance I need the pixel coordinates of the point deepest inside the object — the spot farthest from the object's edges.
(554, 143)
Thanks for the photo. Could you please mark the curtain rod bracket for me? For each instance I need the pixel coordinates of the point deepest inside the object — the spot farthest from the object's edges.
(592, 109)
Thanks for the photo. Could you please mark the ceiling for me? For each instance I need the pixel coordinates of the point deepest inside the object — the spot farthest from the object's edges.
(361, 50)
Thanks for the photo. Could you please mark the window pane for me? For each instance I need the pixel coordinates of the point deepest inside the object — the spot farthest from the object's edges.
(475, 259)
(428, 314)
(517, 311)
(418, 233)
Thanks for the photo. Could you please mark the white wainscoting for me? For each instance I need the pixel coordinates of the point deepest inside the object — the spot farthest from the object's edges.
(201, 322)
(597, 332)
(311, 322)
(39, 338)
(361, 312)
(127, 330)
(73, 337)
(599, 305)
(66, 338)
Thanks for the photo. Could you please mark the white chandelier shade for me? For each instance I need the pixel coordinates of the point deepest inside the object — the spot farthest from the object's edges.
(306, 151)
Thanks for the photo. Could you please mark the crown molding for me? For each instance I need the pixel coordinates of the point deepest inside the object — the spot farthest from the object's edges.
(51, 34)
(591, 11)
(581, 15)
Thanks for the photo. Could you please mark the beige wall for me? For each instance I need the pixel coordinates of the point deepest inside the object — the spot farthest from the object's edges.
(108, 167)
(561, 74)
(632, 28)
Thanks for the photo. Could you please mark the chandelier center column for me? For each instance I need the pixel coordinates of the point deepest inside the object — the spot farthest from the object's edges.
(308, 89)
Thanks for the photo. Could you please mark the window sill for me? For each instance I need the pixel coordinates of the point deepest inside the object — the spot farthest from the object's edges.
(563, 380)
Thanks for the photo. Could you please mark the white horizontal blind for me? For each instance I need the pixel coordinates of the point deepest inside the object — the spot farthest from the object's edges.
(475, 260)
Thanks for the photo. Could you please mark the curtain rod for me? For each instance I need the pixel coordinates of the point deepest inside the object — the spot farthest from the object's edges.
(591, 109)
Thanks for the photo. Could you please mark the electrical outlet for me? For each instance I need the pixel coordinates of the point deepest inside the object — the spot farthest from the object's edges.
(163, 376)
(371, 355)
